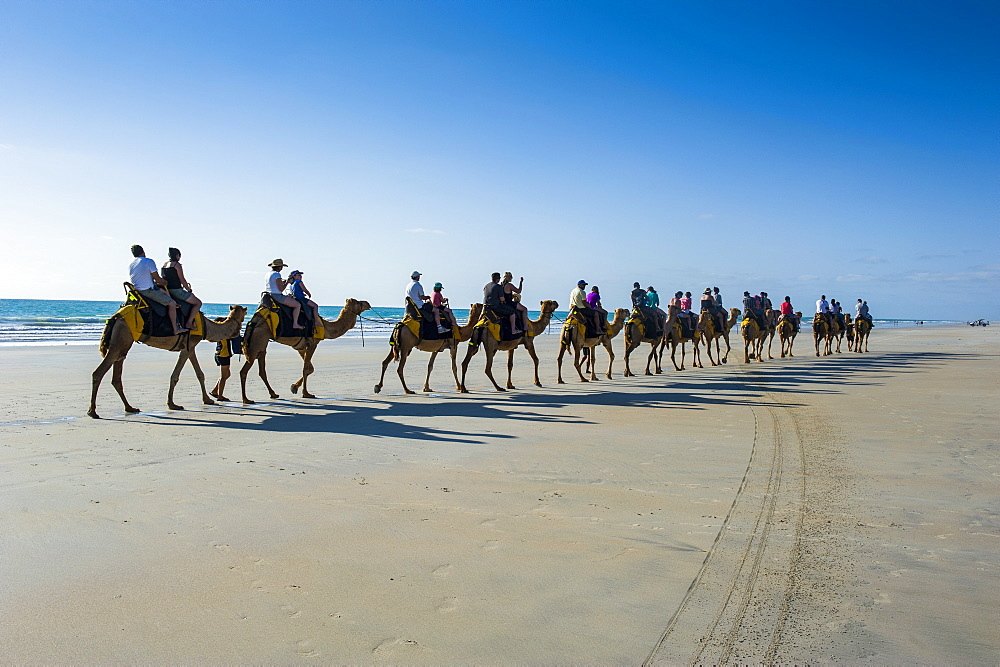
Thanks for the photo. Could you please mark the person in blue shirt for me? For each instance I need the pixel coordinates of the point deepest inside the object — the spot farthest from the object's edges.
(301, 293)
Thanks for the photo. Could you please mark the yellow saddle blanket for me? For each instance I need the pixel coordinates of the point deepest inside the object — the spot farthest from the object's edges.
(273, 321)
(413, 325)
(494, 328)
(131, 314)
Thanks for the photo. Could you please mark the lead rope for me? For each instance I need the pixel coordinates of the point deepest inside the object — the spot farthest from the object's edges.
(362, 332)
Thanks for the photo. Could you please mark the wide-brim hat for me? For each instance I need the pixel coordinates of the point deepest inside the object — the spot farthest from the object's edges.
(708, 290)
(438, 286)
(278, 262)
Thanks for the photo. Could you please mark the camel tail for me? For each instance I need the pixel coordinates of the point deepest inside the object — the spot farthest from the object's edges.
(247, 332)
(477, 338)
(394, 341)
(565, 338)
(106, 336)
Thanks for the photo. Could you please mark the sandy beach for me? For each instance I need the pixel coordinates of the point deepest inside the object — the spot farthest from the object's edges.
(839, 509)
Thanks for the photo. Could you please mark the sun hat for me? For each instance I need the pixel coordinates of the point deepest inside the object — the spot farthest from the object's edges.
(278, 262)
(416, 274)
(581, 282)
(294, 272)
(708, 290)
(438, 286)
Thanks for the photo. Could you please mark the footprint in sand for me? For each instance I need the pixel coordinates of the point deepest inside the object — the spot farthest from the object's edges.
(291, 611)
(491, 545)
(306, 648)
(442, 571)
(447, 605)
(395, 647)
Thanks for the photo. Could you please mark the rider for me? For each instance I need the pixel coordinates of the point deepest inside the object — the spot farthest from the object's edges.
(838, 312)
(718, 305)
(653, 303)
(578, 300)
(766, 305)
(788, 311)
(512, 295)
(823, 309)
(493, 298)
(751, 307)
(147, 282)
(178, 286)
(707, 304)
(440, 303)
(274, 288)
(301, 293)
(415, 297)
(862, 310)
(594, 302)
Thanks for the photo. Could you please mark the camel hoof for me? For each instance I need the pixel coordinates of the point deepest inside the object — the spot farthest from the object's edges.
(501, 389)
(208, 402)
(275, 396)
(295, 389)
(305, 395)
(560, 381)
(463, 390)
(538, 384)
(409, 391)
(222, 399)
(247, 401)
(584, 380)
(378, 389)
(129, 408)
(93, 414)
(174, 406)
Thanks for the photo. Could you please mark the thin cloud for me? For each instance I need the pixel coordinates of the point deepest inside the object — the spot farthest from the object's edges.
(421, 230)
(854, 278)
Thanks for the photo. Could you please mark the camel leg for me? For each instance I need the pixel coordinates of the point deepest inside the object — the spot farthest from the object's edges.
(430, 367)
(262, 371)
(200, 374)
(307, 370)
(611, 356)
(489, 369)
(593, 366)
(530, 347)
(95, 383)
(116, 382)
(453, 349)
(578, 362)
(559, 359)
(696, 354)
(247, 365)
(510, 368)
(628, 371)
(729, 348)
(708, 348)
(465, 367)
(174, 377)
(385, 365)
(770, 340)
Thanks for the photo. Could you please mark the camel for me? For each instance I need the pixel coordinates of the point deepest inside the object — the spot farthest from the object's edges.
(633, 340)
(481, 337)
(570, 336)
(674, 337)
(862, 329)
(753, 338)
(258, 335)
(821, 331)
(786, 335)
(837, 332)
(406, 342)
(117, 341)
(710, 332)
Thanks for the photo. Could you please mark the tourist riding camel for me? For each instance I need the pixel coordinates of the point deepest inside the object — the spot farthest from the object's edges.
(151, 286)
(594, 303)
(259, 334)
(298, 291)
(403, 341)
(494, 300)
(119, 336)
(483, 337)
(275, 288)
(441, 307)
(578, 301)
(712, 332)
(512, 296)
(571, 336)
(636, 333)
(675, 336)
(178, 285)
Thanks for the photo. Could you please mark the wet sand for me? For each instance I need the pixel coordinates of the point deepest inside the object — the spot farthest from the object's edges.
(841, 509)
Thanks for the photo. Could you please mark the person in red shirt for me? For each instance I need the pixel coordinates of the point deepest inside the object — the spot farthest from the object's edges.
(789, 312)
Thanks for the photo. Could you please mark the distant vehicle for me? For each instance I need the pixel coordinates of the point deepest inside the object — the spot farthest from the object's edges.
(979, 323)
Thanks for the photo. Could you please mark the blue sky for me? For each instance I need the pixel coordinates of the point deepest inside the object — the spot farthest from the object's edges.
(799, 148)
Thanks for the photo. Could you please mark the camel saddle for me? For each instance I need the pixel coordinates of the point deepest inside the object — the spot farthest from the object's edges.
(791, 319)
(424, 328)
(148, 319)
(649, 325)
(686, 325)
(279, 319)
(498, 326)
(584, 324)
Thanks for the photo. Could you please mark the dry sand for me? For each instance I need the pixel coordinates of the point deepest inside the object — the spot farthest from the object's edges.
(834, 509)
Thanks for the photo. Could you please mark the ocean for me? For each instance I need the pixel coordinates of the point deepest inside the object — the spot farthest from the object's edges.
(49, 322)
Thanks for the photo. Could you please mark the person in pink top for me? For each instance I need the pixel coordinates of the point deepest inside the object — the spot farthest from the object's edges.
(594, 301)
(686, 302)
(440, 305)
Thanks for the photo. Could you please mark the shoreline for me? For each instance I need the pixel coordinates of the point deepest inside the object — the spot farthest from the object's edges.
(838, 509)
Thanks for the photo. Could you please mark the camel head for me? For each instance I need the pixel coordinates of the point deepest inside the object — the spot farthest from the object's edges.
(621, 313)
(236, 312)
(475, 310)
(798, 314)
(549, 306)
(356, 307)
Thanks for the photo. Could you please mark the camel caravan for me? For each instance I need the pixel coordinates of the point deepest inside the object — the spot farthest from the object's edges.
(161, 311)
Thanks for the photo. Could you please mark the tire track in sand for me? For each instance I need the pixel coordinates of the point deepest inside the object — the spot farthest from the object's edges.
(736, 606)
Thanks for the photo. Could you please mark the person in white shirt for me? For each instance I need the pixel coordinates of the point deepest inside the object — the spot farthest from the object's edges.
(823, 306)
(415, 292)
(147, 281)
(276, 286)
